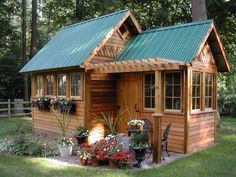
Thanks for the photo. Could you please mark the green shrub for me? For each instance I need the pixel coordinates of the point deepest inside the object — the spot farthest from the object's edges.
(28, 145)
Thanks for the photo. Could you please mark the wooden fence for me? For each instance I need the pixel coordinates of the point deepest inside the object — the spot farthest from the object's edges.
(16, 108)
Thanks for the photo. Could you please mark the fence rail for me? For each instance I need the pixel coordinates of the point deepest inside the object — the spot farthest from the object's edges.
(16, 108)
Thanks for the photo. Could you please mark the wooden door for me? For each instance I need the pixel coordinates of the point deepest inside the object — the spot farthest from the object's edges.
(129, 97)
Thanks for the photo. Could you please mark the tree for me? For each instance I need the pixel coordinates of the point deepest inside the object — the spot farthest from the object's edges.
(24, 49)
(199, 11)
(34, 30)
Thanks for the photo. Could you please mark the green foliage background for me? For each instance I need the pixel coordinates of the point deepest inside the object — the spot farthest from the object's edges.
(54, 14)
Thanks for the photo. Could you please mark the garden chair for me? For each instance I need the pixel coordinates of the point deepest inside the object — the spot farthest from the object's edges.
(164, 141)
(148, 126)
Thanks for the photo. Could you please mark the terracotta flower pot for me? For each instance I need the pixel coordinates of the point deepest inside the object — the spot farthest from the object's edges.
(112, 163)
(123, 165)
(83, 162)
(94, 162)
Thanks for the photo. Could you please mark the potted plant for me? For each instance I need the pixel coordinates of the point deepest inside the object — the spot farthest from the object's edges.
(84, 154)
(140, 145)
(99, 152)
(65, 146)
(136, 124)
(81, 134)
(63, 119)
(119, 159)
(114, 148)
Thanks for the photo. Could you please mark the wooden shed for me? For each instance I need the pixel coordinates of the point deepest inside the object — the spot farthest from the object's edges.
(109, 63)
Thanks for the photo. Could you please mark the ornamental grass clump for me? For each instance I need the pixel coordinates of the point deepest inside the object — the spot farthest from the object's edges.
(112, 120)
(62, 116)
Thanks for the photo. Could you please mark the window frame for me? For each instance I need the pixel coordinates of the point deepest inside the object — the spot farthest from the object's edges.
(143, 102)
(53, 85)
(58, 84)
(181, 90)
(42, 86)
(200, 96)
(79, 97)
(212, 91)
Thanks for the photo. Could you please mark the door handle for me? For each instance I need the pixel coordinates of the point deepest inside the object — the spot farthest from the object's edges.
(136, 108)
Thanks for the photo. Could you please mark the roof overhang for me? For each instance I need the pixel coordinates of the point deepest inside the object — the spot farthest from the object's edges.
(218, 51)
(151, 64)
(217, 48)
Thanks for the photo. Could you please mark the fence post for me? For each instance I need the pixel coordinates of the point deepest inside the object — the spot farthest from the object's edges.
(9, 108)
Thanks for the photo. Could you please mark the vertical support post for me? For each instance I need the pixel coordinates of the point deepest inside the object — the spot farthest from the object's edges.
(215, 106)
(157, 136)
(9, 108)
(157, 150)
(187, 99)
(87, 97)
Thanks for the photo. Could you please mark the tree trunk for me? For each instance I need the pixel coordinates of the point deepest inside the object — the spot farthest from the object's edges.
(198, 10)
(80, 8)
(24, 52)
(34, 30)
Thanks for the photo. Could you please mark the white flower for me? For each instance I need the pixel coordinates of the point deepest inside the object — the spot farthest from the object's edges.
(136, 122)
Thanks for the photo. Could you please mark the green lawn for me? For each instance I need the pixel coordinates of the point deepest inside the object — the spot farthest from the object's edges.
(8, 126)
(217, 161)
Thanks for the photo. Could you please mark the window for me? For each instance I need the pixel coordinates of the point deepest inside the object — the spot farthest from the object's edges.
(75, 84)
(50, 85)
(149, 90)
(39, 85)
(123, 29)
(208, 90)
(62, 85)
(173, 91)
(196, 90)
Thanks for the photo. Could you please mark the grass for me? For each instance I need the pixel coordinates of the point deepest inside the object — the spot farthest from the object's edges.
(8, 126)
(218, 161)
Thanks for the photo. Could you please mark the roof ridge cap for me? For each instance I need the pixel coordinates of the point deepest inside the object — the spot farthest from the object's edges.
(177, 26)
(96, 18)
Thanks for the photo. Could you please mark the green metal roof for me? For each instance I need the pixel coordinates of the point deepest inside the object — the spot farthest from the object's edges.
(73, 44)
(180, 43)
